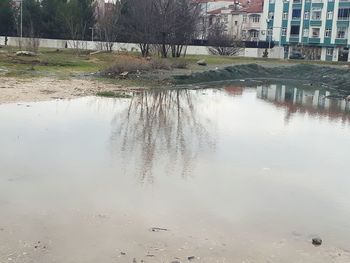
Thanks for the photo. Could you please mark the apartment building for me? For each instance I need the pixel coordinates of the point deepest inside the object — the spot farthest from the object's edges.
(319, 29)
(245, 21)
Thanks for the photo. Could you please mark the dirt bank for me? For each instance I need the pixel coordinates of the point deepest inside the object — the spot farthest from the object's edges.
(335, 77)
(41, 89)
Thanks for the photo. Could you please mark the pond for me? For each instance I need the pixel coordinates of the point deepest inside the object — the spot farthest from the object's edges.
(227, 174)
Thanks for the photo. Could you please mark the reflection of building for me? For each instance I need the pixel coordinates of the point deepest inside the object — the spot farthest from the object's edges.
(313, 102)
(234, 90)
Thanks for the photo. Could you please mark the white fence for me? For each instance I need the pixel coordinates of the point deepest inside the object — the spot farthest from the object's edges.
(276, 52)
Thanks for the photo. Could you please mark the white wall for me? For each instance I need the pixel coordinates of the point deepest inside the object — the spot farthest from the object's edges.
(89, 45)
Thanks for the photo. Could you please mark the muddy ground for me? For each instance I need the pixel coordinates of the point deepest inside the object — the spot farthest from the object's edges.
(43, 89)
(30, 89)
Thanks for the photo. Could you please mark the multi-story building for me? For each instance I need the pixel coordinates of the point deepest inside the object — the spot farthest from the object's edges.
(319, 29)
(242, 21)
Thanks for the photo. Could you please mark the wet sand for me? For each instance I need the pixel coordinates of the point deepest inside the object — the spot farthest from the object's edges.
(79, 184)
(44, 89)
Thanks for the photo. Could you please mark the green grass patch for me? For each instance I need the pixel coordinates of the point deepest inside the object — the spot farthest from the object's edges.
(113, 94)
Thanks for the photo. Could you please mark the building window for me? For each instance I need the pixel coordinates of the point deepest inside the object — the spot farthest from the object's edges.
(329, 51)
(296, 14)
(271, 15)
(315, 32)
(343, 14)
(284, 31)
(285, 15)
(307, 15)
(255, 18)
(328, 32)
(329, 15)
(272, 1)
(236, 23)
(306, 32)
(244, 18)
(316, 14)
(254, 33)
(342, 32)
(294, 31)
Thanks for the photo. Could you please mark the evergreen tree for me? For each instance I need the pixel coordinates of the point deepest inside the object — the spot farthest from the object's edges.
(79, 17)
(52, 19)
(32, 18)
(7, 23)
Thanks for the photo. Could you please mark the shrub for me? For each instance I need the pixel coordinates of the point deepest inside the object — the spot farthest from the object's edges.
(179, 64)
(159, 63)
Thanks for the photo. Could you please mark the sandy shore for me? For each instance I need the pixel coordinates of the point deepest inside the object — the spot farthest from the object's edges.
(43, 89)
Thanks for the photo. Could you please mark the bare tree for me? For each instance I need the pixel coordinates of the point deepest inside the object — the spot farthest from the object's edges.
(108, 24)
(187, 17)
(221, 43)
(176, 22)
(137, 19)
(78, 16)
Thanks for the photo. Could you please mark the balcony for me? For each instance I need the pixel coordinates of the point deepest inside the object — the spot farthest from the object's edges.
(294, 38)
(341, 41)
(314, 40)
(315, 22)
(343, 18)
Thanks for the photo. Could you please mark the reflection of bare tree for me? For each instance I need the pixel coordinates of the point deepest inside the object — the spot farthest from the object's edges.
(162, 126)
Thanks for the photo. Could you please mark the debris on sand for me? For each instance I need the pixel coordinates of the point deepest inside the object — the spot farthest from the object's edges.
(158, 229)
(316, 241)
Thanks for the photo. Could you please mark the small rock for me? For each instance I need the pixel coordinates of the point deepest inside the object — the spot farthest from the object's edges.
(25, 53)
(122, 253)
(175, 261)
(201, 62)
(124, 74)
(317, 241)
(191, 258)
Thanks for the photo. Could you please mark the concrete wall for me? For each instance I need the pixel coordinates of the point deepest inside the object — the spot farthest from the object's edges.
(89, 45)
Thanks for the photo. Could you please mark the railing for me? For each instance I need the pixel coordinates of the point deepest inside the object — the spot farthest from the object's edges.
(343, 18)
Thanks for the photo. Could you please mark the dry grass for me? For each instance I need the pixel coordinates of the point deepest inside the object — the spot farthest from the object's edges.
(134, 64)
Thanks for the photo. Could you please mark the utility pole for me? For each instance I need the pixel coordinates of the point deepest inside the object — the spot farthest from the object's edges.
(21, 24)
(92, 33)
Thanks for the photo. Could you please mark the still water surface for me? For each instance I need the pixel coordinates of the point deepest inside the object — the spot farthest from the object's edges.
(235, 174)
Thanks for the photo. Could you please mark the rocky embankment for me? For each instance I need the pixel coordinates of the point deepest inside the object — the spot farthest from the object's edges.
(334, 77)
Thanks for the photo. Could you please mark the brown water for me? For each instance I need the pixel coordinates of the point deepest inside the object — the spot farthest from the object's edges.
(234, 175)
